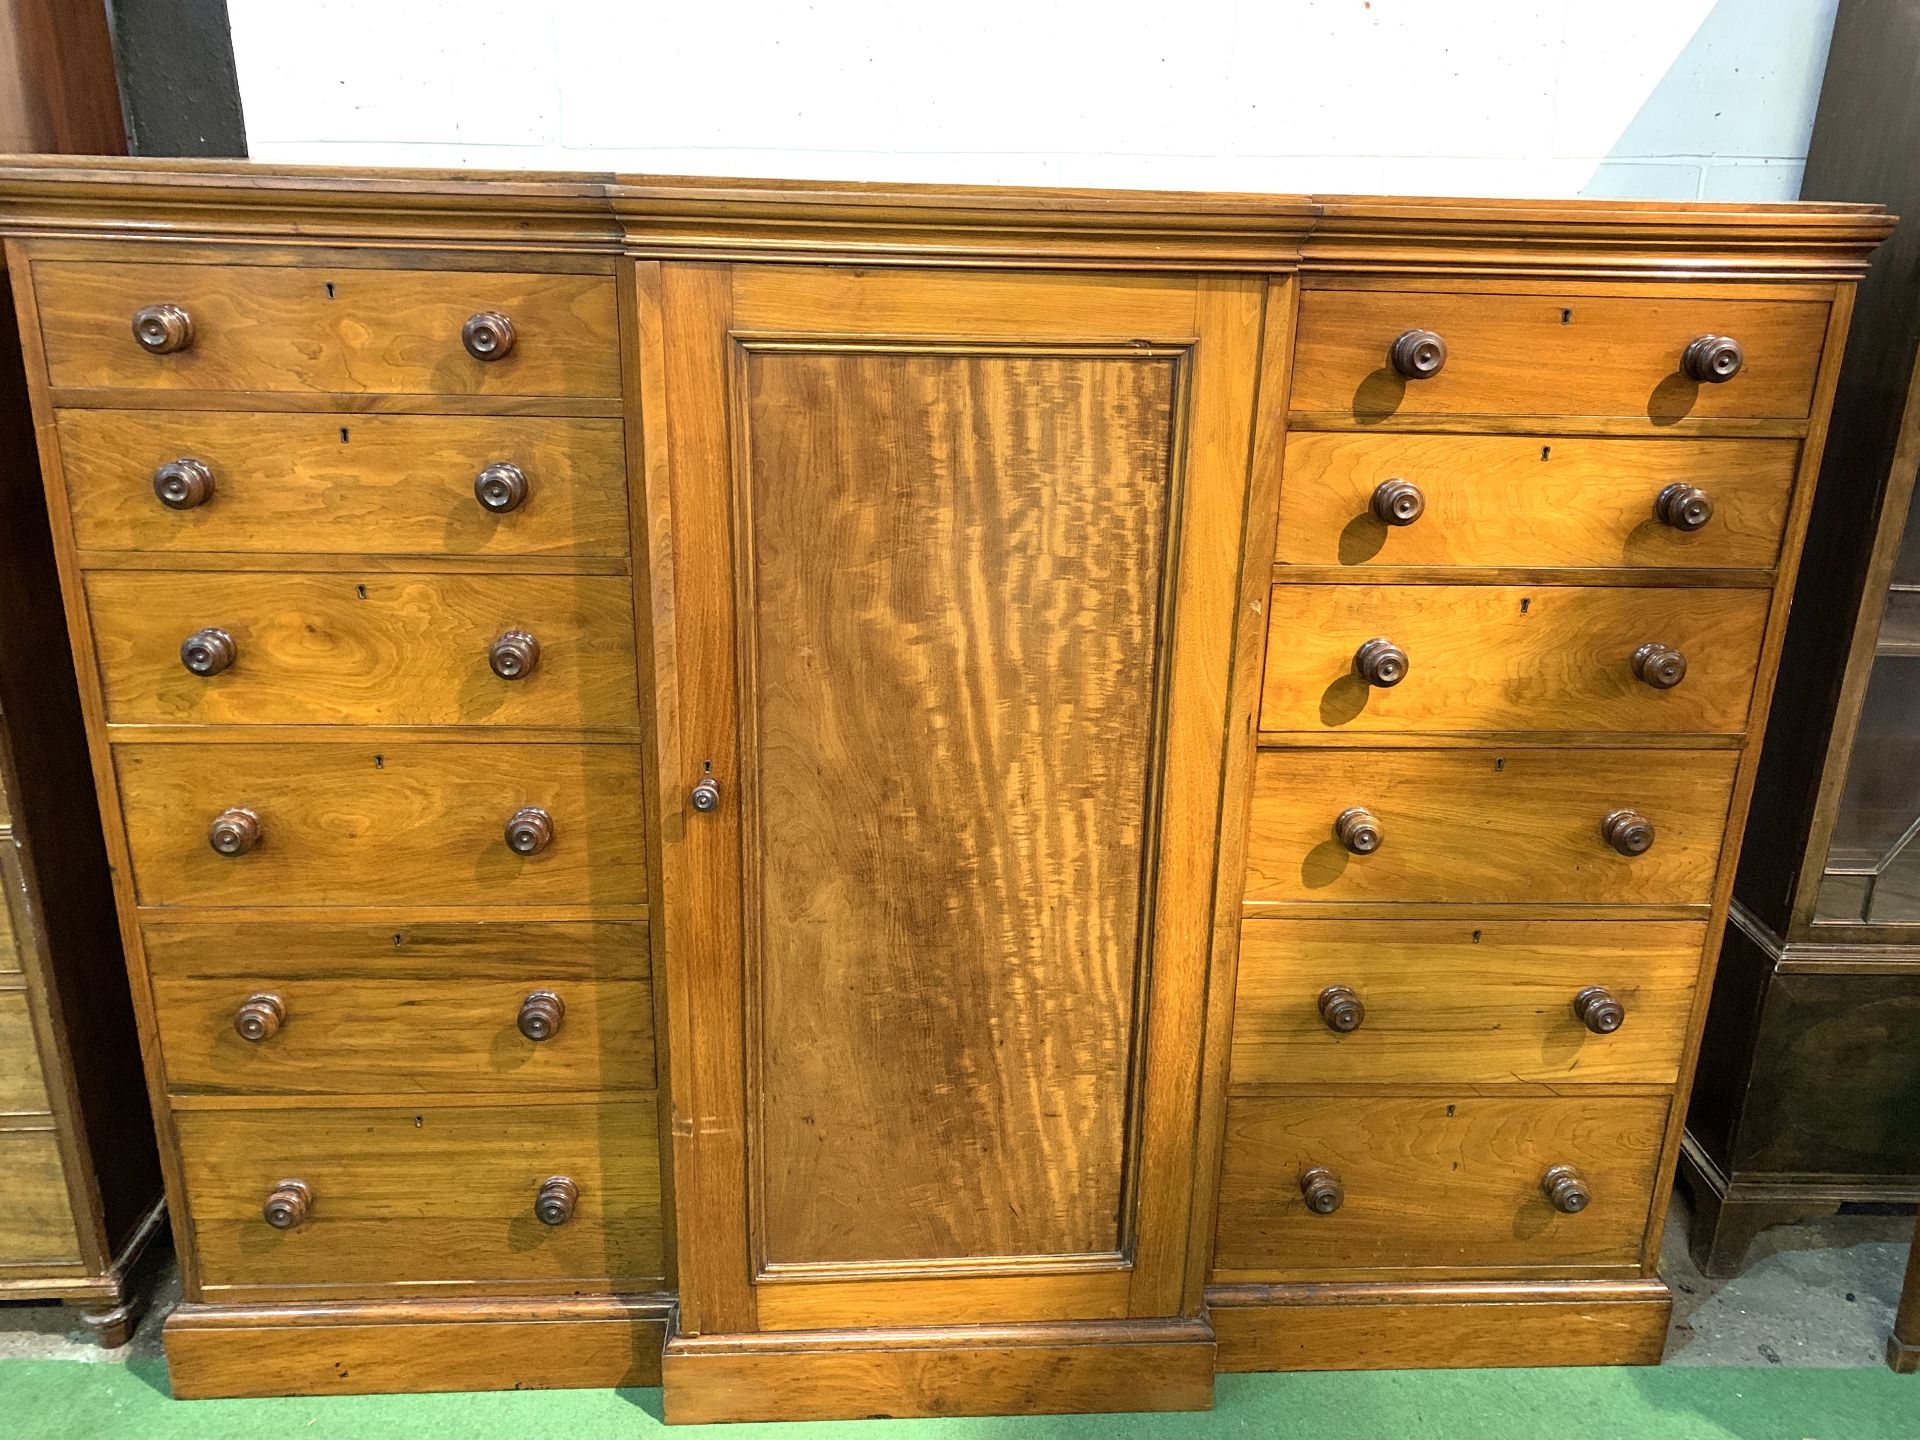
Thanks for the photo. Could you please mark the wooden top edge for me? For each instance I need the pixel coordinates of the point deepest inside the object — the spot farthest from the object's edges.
(695, 216)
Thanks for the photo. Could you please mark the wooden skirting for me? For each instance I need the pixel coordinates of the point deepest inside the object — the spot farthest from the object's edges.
(962, 1370)
(1390, 1327)
(410, 1346)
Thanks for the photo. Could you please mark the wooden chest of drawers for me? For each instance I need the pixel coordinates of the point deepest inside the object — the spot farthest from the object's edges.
(899, 801)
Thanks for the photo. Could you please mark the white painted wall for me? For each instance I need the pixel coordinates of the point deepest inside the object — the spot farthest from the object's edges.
(1672, 99)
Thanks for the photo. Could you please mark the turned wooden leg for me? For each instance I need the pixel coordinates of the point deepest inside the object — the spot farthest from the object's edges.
(113, 1326)
(1903, 1346)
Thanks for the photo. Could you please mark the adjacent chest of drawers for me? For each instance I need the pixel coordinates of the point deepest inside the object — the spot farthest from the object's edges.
(916, 800)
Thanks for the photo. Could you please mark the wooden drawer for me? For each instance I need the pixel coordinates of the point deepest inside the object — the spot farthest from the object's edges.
(23, 1082)
(430, 1008)
(36, 1218)
(1462, 1002)
(1554, 354)
(1438, 1184)
(424, 1193)
(1510, 657)
(281, 328)
(1479, 826)
(369, 648)
(1521, 500)
(408, 824)
(303, 484)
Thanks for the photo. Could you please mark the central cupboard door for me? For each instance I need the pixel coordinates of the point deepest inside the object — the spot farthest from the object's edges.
(946, 571)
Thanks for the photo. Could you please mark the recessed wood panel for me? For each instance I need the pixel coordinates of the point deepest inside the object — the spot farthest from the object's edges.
(1546, 354)
(23, 1084)
(955, 595)
(1462, 1002)
(299, 484)
(1512, 826)
(1521, 500)
(36, 1218)
(1447, 1183)
(424, 1194)
(1510, 657)
(275, 328)
(408, 824)
(365, 648)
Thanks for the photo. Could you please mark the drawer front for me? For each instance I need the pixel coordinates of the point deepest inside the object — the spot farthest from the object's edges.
(424, 1194)
(300, 484)
(1436, 1184)
(1458, 1002)
(343, 1009)
(23, 1083)
(413, 824)
(1513, 826)
(1508, 657)
(371, 649)
(281, 328)
(1521, 500)
(36, 1218)
(1554, 355)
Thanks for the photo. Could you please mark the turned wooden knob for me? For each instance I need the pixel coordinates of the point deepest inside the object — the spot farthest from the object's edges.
(1565, 1188)
(488, 335)
(1627, 831)
(1321, 1189)
(184, 483)
(554, 1204)
(208, 652)
(541, 1014)
(1418, 354)
(514, 655)
(1341, 1009)
(1711, 359)
(1684, 507)
(162, 329)
(288, 1205)
(1380, 662)
(1398, 502)
(1661, 666)
(1595, 1008)
(261, 1017)
(1358, 829)
(529, 831)
(234, 831)
(501, 487)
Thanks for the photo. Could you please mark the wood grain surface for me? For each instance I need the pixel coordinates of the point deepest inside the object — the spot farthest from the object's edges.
(433, 1193)
(317, 328)
(1516, 355)
(1441, 1183)
(23, 1083)
(365, 648)
(410, 824)
(1536, 501)
(956, 575)
(36, 1223)
(1509, 657)
(1461, 1002)
(1513, 827)
(294, 484)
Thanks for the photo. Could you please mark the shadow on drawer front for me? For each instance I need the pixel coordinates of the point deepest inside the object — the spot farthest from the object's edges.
(1508, 826)
(274, 328)
(1338, 1186)
(1414, 1002)
(380, 1195)
(411, 824)
(1510, 657)
(344, 484)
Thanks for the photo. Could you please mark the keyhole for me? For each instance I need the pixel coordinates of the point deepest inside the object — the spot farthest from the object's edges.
(1545, 450)
(361, 591)
(1566, 316)
(1499, 764)
(1476, 937)
(379, 762)
(1525, 602)
(343, 438)
(329, 290)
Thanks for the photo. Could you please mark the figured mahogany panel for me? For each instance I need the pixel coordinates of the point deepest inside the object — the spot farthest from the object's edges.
(1535, 501)
(1510, 657)
(294, 483)
(955, 588)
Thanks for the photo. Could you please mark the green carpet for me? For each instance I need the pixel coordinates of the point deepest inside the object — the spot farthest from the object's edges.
(72, 1400)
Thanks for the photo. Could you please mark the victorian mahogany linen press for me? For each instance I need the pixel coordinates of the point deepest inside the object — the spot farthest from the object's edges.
(887, 800)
